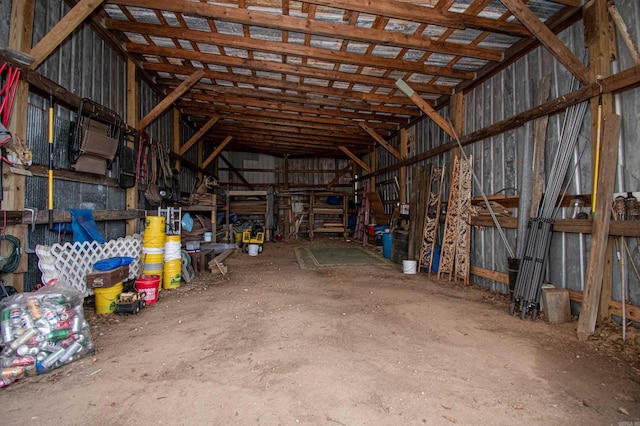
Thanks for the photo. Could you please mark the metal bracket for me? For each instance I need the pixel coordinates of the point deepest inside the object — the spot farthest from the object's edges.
(34, 215)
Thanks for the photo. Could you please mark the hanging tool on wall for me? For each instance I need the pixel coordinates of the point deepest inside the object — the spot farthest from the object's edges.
(597, 159)
(51, 127)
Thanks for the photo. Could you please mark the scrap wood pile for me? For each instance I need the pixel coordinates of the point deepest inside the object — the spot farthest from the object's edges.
(200, 226)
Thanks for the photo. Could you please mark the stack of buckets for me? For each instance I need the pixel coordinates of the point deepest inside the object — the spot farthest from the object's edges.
(153, 257)
(172, 262)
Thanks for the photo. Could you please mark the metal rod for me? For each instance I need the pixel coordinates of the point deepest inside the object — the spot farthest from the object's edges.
(484, 197)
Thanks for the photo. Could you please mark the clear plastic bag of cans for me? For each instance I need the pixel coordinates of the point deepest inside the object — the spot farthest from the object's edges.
(42, 331)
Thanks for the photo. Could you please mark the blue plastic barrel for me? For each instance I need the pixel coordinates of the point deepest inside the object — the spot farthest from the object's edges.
(387, 240)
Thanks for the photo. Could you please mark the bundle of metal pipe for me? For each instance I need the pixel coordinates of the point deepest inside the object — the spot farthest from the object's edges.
(532, 266)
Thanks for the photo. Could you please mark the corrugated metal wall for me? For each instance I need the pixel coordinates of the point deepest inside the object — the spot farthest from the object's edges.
(498, 160)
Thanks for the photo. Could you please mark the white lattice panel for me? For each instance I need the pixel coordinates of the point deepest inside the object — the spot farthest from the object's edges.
(72, 262)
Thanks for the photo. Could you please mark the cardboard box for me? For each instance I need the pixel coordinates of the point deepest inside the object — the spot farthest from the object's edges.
(101, 279)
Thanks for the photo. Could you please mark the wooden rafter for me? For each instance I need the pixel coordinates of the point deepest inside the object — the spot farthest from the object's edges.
(427, 15)
(549, 40)
(217, 151)
(61, 30)
(316, 27)
(170, 99)
(279, 48)
(426, 108)
(386, 145)
(355, 158)
(199, 135)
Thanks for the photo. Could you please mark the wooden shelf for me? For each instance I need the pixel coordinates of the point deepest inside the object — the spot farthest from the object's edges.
(336, 215)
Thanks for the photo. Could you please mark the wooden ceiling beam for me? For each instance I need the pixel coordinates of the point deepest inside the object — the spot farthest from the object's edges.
(278, 48)
(427, 15)
(61, 30)
(198, 111)
(171, 98)
(549, 40)
(199, 135)
(425, 107)
(295, 143)
(355, 158)
(288, 100)
(214, 89)
(283, 127)
(320, 28)
(386, 145)
(282, 68)
(216, 151)
(284, 131)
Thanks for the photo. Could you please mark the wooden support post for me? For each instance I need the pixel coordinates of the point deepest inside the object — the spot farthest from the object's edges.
(624, 32)
(355, 158)
(373, 160)
(601, 222)
(62, 29)
(606, 295)
(177, 140)
(170, 99)
(200, 160)
(286, 171)
(217, 151)
(133, 89)
(599, 40)
(539, 143)
(402, 196)
(20, 38)
(457, 119)
(339, 174)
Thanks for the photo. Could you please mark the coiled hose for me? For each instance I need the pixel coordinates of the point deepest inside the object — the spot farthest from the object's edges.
(13, 260)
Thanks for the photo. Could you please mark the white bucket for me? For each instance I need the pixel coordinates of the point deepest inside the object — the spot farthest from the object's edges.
(253, 249)
(208, 236)
(409, 266)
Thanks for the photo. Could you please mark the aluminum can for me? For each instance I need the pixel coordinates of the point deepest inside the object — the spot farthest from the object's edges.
(58, 335)
(70, 351)
(30, 370)
(17, 361)
(26, 322)
(49, 346)
(23, 339)
(6, 382)
(63, 325)
(12, 372)
(36, 340)
(51, 317)
(28, 350)
(7, 328)
(43, 355)
(76, 324)
(15, 312)
(34, 308)
(53, 358)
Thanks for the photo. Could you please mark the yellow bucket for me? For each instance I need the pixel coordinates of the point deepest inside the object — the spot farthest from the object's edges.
(155, 224)
(238, 237)
(173, 239)
(154, 232)
(172, 274)
(107, 298)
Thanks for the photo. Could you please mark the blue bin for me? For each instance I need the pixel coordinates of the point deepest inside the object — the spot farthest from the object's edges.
(387, 241)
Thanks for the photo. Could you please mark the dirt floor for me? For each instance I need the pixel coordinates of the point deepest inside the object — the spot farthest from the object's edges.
(271, 344)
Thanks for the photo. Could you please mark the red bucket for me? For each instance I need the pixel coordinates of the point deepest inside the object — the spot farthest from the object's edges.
(372, 229)
(150, 285)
